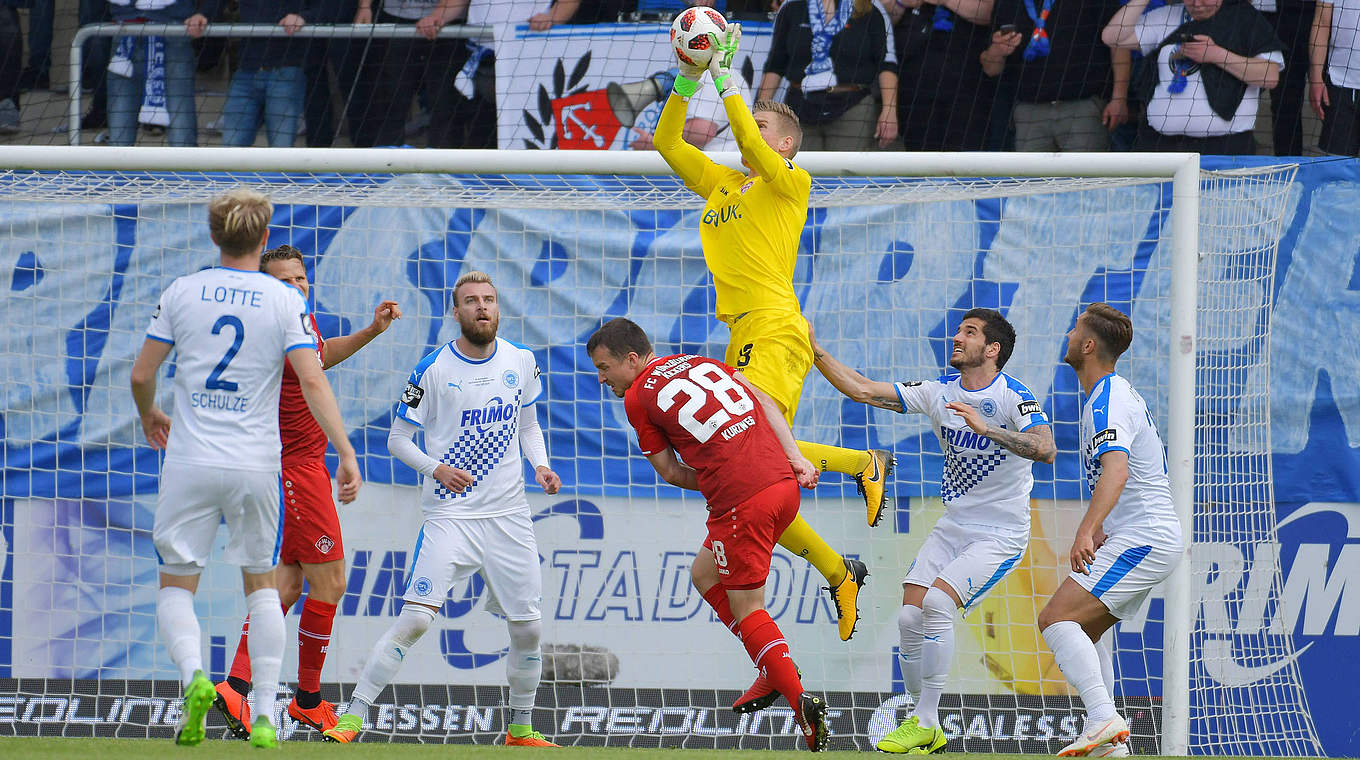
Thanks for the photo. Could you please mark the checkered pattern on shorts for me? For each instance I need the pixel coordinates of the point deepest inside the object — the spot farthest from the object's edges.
(962, 473)
(478, 453)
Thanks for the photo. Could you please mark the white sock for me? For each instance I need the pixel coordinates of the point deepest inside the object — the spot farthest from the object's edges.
(909, 648)
(937, 653)
(265, 645)
(385, 659)
(524, 667)
(179, 630)
(1076, 655)
(1105, 650)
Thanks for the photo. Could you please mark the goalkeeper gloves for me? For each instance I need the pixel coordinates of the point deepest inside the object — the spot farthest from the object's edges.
(687, 83)
(720, 65)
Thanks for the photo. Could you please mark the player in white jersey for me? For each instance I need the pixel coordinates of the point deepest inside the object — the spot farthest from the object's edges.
(231, 327)
(1130, 538)
(474, 399)
(990, 428)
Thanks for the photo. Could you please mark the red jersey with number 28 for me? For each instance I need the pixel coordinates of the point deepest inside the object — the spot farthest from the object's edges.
(303, 439)
(696, 406)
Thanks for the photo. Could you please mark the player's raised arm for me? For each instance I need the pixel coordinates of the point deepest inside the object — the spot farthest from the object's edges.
(694, 168)
(339, 349)
(853, 384)
(762, 158)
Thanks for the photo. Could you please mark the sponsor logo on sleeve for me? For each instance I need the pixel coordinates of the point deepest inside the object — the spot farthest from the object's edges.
(1103, 437)
(788, 163)
(157, 313)
(412, 395)
(1030, 407)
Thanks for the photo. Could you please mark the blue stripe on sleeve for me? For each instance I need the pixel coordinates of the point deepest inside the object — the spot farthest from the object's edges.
(159, 339)
(1119, 568)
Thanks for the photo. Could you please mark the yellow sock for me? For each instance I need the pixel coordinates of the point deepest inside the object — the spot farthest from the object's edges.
(802, 540)
(835, 458)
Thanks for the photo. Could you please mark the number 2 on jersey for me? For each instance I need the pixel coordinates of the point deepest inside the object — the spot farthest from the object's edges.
(696, 386)
(215, 381)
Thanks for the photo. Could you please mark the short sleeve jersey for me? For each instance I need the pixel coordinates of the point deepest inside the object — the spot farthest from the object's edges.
(1115, 418)
(231, 330)
(469, 411)
(303, 440)
(696, 406)
(983, 484)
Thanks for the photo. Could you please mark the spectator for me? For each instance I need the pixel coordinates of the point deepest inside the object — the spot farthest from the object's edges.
(1334, 75)
(269, 86)
(476, 80)
(833, 54)
(125, 90)
(1211, 61)
(37, 75)
(1062, 72)
(323, 57)
(706, 126)
(1289, 19)
(944, 99)
(11, 65)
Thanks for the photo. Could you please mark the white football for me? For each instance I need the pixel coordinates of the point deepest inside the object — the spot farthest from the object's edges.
(690, 34)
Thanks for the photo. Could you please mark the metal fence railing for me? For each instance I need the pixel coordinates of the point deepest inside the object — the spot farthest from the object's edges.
(323, 31)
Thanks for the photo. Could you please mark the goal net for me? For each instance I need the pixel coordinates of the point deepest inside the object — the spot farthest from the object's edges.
(886, 268)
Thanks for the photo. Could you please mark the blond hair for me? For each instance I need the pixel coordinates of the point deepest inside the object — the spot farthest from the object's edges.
(466, 278)
(788, 121)
(238, 220)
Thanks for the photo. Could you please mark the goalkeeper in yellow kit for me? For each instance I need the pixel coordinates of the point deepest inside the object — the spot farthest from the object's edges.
(750, 229)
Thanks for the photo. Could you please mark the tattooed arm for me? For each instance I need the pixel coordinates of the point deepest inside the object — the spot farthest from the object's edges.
(1035, 443)
(852, 383)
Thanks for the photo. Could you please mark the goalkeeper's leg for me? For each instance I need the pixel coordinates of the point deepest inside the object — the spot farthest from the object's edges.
(844, 576)
(870, 468)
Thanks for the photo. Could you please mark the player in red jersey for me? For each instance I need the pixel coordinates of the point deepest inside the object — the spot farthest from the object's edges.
(311, 547)
(738, 452)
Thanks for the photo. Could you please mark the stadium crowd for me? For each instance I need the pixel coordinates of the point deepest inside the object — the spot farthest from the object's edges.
(1029, 75)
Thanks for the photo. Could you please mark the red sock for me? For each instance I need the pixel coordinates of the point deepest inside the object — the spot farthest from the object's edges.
(240, 665)
(717, 599)
(314, 636)
(765, 644)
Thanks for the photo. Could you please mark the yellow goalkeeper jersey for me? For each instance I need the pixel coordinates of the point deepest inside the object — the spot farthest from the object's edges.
(751, 223)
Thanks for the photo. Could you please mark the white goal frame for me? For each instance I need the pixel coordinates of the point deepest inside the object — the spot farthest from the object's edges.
(1182, 169)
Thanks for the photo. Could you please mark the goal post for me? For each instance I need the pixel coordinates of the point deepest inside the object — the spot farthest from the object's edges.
(429, 197)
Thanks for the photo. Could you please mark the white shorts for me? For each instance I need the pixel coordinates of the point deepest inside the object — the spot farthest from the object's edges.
(1125, 571)
(193, 500)
(970, 560)
(503, 548)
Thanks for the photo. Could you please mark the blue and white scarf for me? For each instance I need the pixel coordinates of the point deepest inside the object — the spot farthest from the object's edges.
(820, 74)
(153, 109)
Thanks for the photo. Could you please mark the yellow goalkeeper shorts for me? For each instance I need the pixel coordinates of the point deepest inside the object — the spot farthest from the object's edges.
(771, 348)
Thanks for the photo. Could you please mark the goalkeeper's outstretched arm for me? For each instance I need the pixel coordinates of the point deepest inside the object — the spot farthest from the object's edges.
(688, 161)
(758, 154)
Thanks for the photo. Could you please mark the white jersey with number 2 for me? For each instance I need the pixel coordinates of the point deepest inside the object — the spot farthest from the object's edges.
(231, 329)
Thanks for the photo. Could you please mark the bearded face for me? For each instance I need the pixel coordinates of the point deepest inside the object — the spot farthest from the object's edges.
(478, 312)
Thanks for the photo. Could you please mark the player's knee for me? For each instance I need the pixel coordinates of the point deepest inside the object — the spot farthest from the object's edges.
(1049, 615)
(937, 605)
(326, 583)
(411, 624)
(704, 575)
(909, 619)
(525, 635)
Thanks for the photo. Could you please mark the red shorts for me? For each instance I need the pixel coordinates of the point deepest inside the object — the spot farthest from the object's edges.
(311, 527)
(742, 538)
